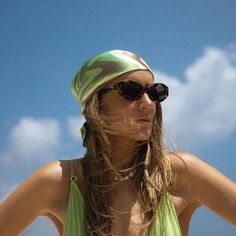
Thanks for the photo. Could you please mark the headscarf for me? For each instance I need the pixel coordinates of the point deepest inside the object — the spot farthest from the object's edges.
(101, 69)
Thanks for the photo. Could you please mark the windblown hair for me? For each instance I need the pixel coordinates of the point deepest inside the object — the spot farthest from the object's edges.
(153, 173)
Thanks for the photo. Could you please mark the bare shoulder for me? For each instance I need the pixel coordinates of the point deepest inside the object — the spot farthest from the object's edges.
(181, 160)
(55, 172)
(55, 177)
(206, 184)
(182, 193)
(189, 165)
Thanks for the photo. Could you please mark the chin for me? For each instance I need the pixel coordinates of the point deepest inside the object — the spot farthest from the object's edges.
(144, 134)
(144, 138)
(141, 136)
(141, 133)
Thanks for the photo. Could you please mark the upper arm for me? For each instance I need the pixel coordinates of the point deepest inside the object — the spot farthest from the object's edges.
(31, 199)
(210, 187)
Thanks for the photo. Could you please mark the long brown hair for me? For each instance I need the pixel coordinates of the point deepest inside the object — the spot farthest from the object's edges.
(153, 173)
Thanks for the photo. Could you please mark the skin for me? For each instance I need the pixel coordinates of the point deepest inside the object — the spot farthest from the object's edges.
(46, 192)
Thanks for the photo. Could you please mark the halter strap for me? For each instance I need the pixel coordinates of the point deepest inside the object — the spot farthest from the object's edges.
(73, 176)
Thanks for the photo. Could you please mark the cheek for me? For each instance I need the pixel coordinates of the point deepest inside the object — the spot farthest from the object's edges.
(118, 114)
(107, 102)
(113, 103)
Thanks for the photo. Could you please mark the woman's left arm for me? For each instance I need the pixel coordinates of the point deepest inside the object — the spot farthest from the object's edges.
(210, 187)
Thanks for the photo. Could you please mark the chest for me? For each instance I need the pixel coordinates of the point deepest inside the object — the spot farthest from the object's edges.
(129, 220)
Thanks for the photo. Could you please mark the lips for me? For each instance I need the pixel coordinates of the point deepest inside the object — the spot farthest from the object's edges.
(144, 120)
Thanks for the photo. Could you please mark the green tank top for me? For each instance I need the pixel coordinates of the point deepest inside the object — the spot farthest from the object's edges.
(165, 221)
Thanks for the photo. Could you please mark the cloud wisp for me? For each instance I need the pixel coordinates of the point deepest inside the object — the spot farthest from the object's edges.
(200, 109)
(32, 140)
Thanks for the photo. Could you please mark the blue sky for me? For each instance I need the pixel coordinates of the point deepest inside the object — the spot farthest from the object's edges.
(191, 46)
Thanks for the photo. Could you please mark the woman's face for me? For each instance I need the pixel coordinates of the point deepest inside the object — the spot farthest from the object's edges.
(130, 119)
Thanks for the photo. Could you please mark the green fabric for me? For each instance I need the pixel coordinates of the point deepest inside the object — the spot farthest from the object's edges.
(101, 69)
(74, 223)
(165, 222)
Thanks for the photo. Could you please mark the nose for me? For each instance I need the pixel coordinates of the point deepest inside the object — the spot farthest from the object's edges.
(145, 103)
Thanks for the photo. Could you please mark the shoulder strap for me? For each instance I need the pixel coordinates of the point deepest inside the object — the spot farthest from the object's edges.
(73, 176)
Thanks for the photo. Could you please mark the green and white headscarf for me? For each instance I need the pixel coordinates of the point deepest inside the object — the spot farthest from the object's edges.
(102, 69)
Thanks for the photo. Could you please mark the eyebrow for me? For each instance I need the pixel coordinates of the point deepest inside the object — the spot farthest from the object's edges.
(145, 85)
(115, 82)
(148, 84)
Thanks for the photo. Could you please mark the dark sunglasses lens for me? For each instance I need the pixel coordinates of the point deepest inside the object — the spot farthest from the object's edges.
(158, 92)
(129, 90)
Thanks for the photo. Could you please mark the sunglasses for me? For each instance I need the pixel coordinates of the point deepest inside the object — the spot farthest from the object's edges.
(132, 91)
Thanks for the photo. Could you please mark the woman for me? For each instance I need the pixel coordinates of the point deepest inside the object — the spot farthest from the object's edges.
(127, 183)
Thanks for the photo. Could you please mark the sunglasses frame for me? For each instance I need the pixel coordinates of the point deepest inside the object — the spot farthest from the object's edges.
(163, 95)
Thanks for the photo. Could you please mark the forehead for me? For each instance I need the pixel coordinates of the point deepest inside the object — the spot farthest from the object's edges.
(143, 77)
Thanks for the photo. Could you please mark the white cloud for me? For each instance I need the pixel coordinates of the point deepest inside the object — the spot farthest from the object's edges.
(32, 139)
(201, 109)
(74, 124)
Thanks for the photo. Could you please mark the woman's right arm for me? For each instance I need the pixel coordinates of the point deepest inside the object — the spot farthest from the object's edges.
(31, 199)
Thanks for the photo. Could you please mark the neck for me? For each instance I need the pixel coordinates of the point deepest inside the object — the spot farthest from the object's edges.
(123, 153)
